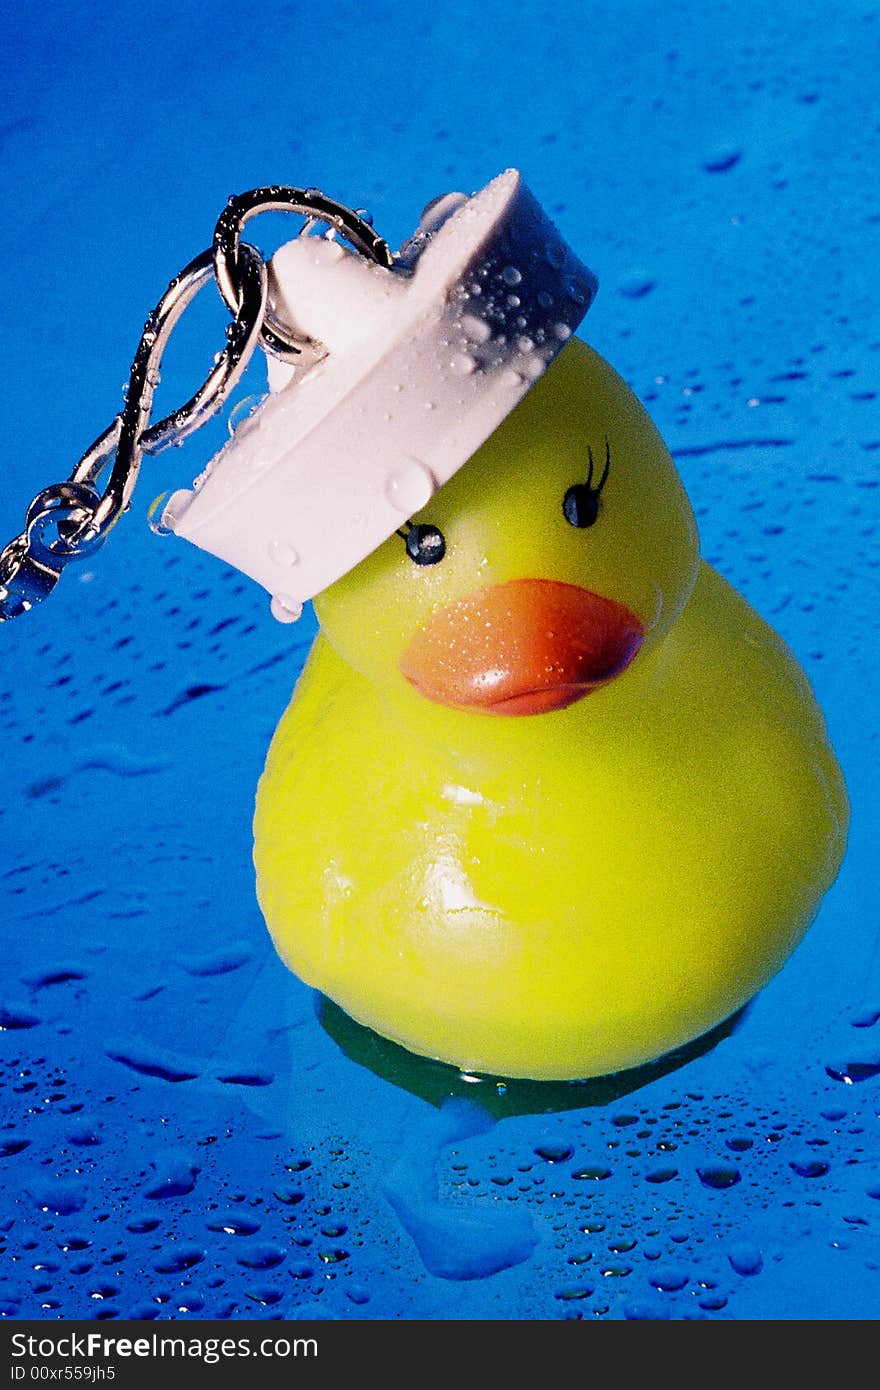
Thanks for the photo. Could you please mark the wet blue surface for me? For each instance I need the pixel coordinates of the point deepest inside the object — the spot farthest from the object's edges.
(183, 1131)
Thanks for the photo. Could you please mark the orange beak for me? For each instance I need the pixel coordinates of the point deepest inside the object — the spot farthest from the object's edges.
(524, 647)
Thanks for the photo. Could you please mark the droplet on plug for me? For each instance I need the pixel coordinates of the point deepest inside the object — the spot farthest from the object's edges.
(283, 553)
(163, 512)
(285, 609)
(476, 329)
(462, 364)
(439, 210)
(409, 487)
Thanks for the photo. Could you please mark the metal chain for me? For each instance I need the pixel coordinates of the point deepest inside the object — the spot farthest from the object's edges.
(277, 338)
(69, 520)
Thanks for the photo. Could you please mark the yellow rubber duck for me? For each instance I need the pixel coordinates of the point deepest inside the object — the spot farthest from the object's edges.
(550, 798)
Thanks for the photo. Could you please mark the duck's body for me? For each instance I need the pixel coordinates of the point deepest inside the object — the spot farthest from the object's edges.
(566, 894)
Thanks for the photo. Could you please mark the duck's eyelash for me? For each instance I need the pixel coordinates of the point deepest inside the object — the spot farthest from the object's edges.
(605, 471)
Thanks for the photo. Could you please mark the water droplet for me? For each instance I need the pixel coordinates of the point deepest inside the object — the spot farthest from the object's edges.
(221, 961)
(139, 1225)
(477, 330)
(76, 1242)
(595, 1173)
(670, 1278)
(285, 609)
(554, 1153)
(11, 1144)
(332, 1257)
(745, 1259)
(850, 1073)
(554, 251)
(409, 487)
(102, 1291)
(574, 1293)
(658, 1175)
(176, 1261)
(246, 1078)
(283, 553)
(85, 1134)
(243, 410)
(266, 1296)
(13, 1017)
(164, 512)
(808, 1167)
(290, 1196)
(55, 974)
(462, 364)
(435, 213)
(158, 1063)
(510, 275)
(231, 1223)
(722, 159)
(176, 1176)
(865, 1018)
(262, 1257)
(60, 1198)
(155, 515)
(719, 1176)
(636, 286)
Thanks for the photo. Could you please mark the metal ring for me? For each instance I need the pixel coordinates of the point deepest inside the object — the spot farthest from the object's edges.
(277, 337)
(68, 506)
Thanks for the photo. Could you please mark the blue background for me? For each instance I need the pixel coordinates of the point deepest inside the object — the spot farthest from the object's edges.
(181, 1132)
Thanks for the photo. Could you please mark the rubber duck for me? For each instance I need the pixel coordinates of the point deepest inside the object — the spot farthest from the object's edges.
(562, 800)
(550, 799)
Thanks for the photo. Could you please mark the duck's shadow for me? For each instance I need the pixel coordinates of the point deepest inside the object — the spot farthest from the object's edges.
(436, 1082)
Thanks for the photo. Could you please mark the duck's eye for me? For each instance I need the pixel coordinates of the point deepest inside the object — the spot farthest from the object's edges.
(580, 505)
(425, 545)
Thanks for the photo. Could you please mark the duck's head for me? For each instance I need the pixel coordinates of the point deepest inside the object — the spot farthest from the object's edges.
(543, 571)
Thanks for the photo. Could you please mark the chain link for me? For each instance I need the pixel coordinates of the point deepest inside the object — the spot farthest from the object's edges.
(277, 338)
(69, 520)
